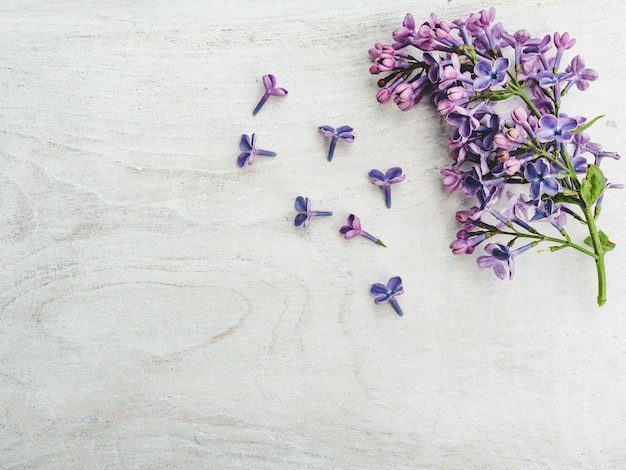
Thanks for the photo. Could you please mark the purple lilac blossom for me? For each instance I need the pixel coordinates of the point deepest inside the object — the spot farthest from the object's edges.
(541, 180)
(353, 228)
(536, 149)
(303, 207)
(501, 259)
(269, 82)
(387, 293)
(490, 74)
(391, 176)
(343, 133)
(249, 151)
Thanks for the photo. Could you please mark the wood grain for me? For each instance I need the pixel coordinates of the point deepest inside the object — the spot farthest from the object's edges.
(159, 310)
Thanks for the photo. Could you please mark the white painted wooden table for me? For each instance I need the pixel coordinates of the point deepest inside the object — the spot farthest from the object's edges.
(160, 310)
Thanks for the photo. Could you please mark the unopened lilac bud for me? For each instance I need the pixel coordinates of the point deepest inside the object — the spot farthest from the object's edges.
(462, 216)
(512, 165)
(445, 107)
(383, 96)
(503, 155)
(501, 141)
(513, 134)
(519, 115)
(457, 93)
(374, 69)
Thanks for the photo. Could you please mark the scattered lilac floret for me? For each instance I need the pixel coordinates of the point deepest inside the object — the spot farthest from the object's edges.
(388, 293)
(392, 176)
(343, 133)
(353, 228)
(303, 207)
(269, 82)
(249, 151)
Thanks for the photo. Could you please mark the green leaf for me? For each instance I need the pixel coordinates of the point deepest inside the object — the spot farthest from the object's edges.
(607, 245)
(561, 197)
(587, 125)
(592, 186)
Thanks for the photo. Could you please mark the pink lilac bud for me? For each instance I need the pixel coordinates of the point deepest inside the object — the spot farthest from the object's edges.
(457, 93)
(519, 115)
(383, 96)
(501, 141)
(512, 165)
(445, 107)
(503, 155)
(513, 134)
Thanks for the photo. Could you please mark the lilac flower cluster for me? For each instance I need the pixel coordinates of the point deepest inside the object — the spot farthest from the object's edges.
(519, 168)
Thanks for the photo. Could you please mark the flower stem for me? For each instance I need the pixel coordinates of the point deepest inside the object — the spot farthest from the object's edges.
(396, 306)
(599, 252)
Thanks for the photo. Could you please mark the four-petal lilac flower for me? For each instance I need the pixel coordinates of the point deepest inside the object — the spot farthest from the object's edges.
(246, 145)
(353, 228)
(388, 293)
(303, 206)
(490, 74)
(540, 179)
(392, 176)
(500, 258)
(269, 82)
(553, 128)
(342, 133)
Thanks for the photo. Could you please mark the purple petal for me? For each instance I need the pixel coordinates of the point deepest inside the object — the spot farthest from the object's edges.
(551, 186)
(482, 83)
(501, 65)
(344, 129)
(499, 270)
(269, 81)
(302, 204)
(545, 135)
(349, 233)
(327, 131)
(278, 92)
(376, 174)
(244, 143)
(346, 137)
(378, 288)
(381, 299)
(300, 218)
(548, 122)
(242, 159)
(568, 124)
(483, 68)
(485, 261)
(535, 190)
(394, 172)
(394, 284)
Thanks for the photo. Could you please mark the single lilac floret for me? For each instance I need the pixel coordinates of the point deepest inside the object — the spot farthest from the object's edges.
(387, 293)
(353, 228)
(303, 207)
(540, 179)
(249, 151)
(490, 74)
(269, 82)
(553, 128)
(392, 176)
(343, 133)
(500, 259)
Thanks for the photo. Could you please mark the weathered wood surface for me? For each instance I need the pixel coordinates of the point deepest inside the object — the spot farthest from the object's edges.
(159, 310)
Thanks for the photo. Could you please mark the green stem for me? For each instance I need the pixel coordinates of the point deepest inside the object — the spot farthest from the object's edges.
(599, 254)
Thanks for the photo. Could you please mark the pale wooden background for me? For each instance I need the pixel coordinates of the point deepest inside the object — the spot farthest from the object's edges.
(159, 310)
